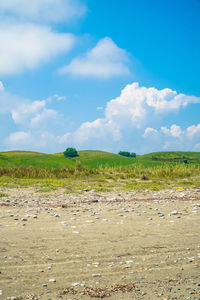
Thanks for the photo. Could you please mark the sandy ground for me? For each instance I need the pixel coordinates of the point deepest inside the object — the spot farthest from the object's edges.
(128, 245)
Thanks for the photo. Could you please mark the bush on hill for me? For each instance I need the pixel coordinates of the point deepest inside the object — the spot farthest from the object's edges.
(127, 154)
(132, 154)
(70, 152)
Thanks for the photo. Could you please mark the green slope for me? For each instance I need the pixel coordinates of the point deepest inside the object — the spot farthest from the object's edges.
(94, 159)
(173, 156)
(34, 159)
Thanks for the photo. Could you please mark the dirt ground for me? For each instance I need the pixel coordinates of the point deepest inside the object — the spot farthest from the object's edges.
(128, 245)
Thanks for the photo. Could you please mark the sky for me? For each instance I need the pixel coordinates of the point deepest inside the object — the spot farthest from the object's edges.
(100, 75)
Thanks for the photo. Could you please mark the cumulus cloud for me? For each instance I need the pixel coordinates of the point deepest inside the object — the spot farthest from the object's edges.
(193, 131)
(150, 132)
(129, 121)
(43, 10)
(174, 131)
(18, 140)
(44, 116)
(26, 46)
(175, 137)
(1, 86)
(129, 113)
(33, 114)
(31, 141)
(105, 60)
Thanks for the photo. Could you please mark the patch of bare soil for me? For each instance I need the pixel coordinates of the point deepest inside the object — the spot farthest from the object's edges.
(127, 245)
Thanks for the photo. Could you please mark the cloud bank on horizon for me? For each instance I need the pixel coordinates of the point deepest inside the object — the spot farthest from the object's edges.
(141, 119)
(130, 115)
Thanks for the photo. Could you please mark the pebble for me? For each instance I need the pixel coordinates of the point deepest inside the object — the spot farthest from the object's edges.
(44, 285)
(24, 219)
(174, 213)
(78, 284)
(52, 280)
(96, 275)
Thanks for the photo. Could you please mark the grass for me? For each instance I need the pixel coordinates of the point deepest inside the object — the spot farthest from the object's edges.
(99, 170)
(3, 195)
(34, 159)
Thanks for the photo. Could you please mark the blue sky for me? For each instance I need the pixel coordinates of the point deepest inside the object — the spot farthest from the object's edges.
(108, 75)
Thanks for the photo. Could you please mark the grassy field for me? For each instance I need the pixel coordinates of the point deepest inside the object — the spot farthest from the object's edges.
(99, 170)
(94, 159)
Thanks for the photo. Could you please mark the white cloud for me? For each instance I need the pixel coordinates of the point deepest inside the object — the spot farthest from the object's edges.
(128, 123)
(25, 46)
(193, 131)
(129, 113)
(59, 98)
(176, 138)
(150, 132)
(44, 116)
(43, 10)
(33, 114)
(105, 60)
(174, 131)
(24, 111)
(18, 139)
(1, 86)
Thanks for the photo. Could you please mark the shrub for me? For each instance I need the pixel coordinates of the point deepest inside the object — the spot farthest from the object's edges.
(124, 153)
(70, 152)
(133, 154)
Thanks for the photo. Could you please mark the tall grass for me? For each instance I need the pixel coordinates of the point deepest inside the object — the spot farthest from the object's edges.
(33, 172)
(168, 171)
(138, 170)
(103, 178)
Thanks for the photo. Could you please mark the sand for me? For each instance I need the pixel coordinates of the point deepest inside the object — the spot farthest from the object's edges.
(127, 245)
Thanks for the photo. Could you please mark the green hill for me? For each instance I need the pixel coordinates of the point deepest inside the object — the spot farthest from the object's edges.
(173, 156)
(34, 159)
(94, 159)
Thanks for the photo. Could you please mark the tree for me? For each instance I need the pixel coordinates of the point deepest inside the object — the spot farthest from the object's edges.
(124, 153)
(70, 152)
(127, 154)
(133, 154)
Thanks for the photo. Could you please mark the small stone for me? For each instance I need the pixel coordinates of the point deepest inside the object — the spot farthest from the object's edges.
(24, 219)
(76, 284)
(44, 285)
(96, 275)
(175, 213)
(52, 280)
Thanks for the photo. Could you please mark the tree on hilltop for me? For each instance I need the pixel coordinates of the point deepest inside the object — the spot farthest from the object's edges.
(70, 152)
(127, 154)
